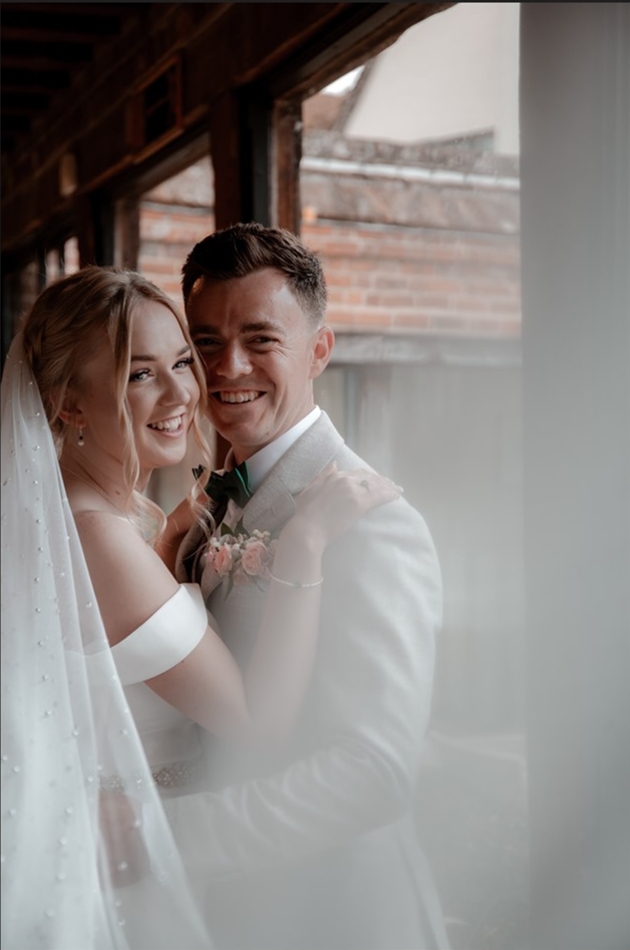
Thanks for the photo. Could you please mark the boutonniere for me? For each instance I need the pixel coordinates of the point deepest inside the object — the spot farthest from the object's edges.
(240, 558)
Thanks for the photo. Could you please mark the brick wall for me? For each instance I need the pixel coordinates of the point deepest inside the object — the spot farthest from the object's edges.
(419, 257)
(167, 234)
(173, 217)
(411, 281)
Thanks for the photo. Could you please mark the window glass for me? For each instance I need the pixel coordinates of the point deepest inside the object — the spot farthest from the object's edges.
(21, 284)
(410, 194)
(173, 216)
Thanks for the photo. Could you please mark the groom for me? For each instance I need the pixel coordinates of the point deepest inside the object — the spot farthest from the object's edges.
(317, 849)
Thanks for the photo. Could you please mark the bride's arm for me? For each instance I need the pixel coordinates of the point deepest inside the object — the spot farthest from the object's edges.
(131, 583)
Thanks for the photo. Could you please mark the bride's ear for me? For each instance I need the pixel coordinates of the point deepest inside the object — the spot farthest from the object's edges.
(70, 412)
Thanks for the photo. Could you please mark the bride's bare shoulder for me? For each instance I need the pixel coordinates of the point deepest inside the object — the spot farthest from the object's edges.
(130, 581)
(102, 526)
(112, 543)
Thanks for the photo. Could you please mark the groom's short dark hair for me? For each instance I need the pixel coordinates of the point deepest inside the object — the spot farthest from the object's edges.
(244, 248)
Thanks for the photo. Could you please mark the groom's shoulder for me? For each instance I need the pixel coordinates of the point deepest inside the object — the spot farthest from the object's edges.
(323, 444)
(345, 458)
(397, 521)
(398, 518)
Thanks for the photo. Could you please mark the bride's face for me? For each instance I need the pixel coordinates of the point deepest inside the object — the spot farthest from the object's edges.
(162, 392)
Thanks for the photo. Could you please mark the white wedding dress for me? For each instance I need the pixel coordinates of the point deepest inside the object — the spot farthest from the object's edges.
(171, 740)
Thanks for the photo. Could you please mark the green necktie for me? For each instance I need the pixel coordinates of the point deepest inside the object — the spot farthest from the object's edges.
(233, 484)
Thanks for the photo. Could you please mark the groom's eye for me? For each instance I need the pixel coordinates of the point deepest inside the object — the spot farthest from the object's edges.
(204, 342)
(262, 340)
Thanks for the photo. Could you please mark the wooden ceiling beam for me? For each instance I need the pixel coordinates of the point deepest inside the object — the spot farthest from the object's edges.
(27, 80)
(44, 63)
(258, 52)
(355, 37)
(101, 10)
(38, 35)
(15, 123)
(20, 108)
(72, 54)
(10, 87)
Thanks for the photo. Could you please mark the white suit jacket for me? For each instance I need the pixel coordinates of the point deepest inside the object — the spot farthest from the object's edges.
(319, 849)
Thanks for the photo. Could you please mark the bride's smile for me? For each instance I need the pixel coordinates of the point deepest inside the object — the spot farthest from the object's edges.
(173, 426)
(162, 394)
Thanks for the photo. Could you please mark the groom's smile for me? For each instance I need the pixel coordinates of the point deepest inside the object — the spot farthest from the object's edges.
(261, 354)
(237, 396)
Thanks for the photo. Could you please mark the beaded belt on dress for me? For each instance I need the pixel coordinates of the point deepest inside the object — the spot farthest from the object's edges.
(174, 776)
(171, 776)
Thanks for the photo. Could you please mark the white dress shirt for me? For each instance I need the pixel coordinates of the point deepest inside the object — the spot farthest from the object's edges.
(261, 463)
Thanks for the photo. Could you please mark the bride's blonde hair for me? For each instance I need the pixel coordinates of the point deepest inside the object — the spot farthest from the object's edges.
(68, 323)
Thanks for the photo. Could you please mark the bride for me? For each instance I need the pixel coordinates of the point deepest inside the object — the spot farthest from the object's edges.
(110, 665)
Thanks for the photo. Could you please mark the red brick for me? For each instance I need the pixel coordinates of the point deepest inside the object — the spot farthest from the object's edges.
(339, 278)
(389, 300)
(411, 320)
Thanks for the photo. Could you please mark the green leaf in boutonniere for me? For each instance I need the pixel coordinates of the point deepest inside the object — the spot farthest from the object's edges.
(225, 529)
(228, 587)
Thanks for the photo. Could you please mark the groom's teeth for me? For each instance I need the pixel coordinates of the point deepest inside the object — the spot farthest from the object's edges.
(239, 397)
(169, 425)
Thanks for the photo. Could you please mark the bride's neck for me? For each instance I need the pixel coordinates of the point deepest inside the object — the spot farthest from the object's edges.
(104, 476)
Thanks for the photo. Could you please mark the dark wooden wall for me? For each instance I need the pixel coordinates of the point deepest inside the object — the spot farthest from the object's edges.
(238, 74)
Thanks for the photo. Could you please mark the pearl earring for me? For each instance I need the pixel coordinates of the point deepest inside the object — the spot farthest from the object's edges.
(80, 440)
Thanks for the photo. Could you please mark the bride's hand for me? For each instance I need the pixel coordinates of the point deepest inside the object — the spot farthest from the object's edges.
(178, 523)
(126, 857)
(335, 500)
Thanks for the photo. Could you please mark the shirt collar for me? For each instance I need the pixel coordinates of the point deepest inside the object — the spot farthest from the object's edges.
(261, 463)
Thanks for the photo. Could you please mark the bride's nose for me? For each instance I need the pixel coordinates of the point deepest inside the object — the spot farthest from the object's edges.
(177, 392)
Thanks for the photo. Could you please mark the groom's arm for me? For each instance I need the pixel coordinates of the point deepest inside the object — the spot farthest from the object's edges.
(381, 610)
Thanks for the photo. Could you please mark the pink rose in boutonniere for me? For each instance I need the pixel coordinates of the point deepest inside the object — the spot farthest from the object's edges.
(241, 558)
(223, 561)
(255, 559)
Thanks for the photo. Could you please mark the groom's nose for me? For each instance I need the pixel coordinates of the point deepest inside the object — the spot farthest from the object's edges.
(232, 361)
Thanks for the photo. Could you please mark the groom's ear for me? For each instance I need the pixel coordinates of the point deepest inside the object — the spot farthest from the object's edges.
(323, 342)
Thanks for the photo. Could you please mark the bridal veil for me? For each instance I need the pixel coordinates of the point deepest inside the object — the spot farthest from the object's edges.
(88, 859)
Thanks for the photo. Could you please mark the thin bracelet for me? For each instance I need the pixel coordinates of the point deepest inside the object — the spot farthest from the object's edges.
(295, 584)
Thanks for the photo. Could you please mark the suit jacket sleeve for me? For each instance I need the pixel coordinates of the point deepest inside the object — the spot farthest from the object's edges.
(373, 679)
(185, 570)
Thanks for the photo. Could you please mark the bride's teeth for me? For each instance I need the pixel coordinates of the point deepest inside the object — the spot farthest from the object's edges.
(238, 397)
(168, 425)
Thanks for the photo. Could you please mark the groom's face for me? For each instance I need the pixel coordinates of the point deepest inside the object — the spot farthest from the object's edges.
(261, 354)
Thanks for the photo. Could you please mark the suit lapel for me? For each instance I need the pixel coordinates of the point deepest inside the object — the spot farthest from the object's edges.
(272, 504)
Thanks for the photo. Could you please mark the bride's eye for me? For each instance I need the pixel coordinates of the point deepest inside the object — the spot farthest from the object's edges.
(187, 361)
(139, 375)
